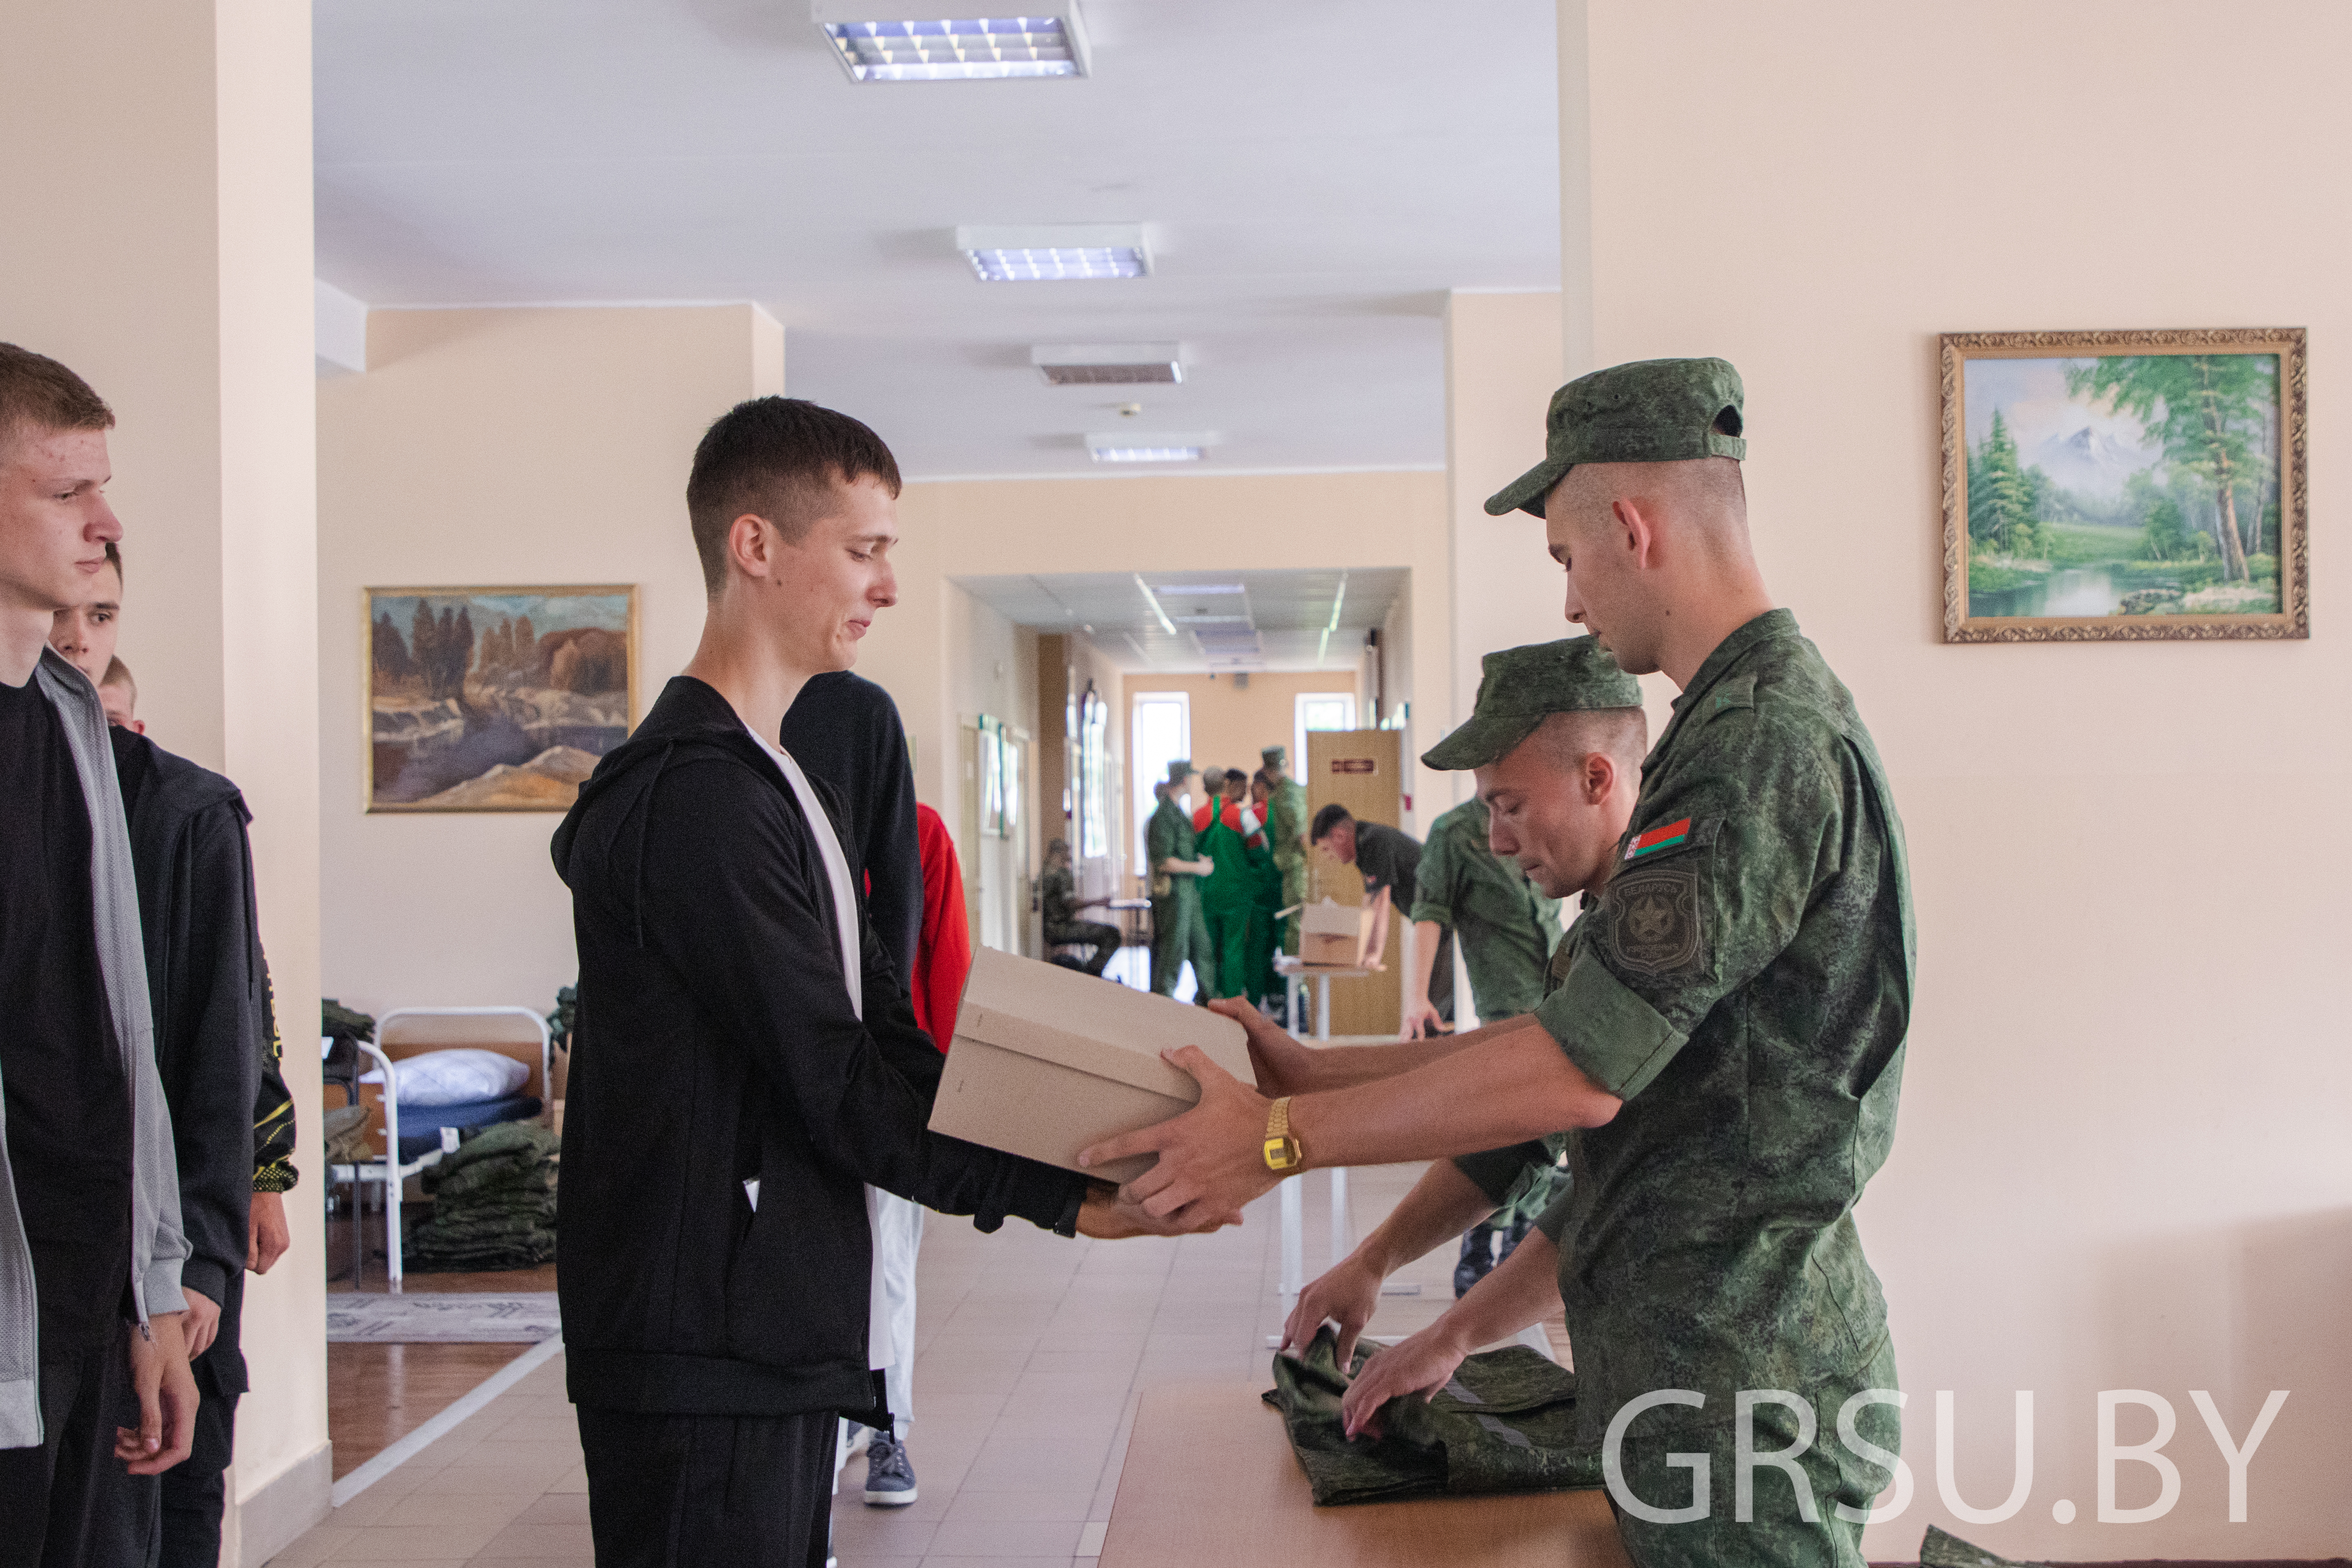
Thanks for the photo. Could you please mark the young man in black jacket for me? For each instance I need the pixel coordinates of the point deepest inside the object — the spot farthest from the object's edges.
(232, 1119)
(746, 1060)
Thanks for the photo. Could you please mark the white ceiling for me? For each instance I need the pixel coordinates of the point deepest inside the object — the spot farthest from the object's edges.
(1314, 175)
(1221, 620)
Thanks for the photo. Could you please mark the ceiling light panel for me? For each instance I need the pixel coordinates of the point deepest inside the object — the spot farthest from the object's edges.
(1150, 447)
(965, 44)
(1055, 254)
(1108, 365)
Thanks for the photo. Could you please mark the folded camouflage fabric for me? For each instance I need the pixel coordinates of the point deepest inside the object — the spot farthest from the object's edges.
(1506, 1423)
(504, 1173)
(505, 1138)
(1942, 1551)
(493, 1203)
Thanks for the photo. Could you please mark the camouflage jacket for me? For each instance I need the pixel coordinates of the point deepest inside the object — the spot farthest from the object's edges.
(1744, 987)
(1504, 1422)
(1168, 836)
(1286, 822)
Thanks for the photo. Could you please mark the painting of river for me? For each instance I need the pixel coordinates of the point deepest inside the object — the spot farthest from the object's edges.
(2153, 492)
(495, 699)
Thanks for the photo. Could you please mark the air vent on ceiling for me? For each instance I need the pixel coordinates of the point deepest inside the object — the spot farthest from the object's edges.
(1108, 365)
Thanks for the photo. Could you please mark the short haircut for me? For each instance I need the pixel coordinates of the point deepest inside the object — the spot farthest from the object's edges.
(1330, 818)
(115, 559)
(119, 674)
(1622, 734)
(776, 457)
(37, 393)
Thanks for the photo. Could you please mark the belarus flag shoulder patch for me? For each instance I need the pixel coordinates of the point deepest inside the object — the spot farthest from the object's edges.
(1658, 838)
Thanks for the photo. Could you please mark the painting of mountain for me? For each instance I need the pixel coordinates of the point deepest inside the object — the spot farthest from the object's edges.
(495, 699)
(2147, 488)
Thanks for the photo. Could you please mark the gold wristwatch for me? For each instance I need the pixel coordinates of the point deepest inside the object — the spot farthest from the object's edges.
(1282, 1152)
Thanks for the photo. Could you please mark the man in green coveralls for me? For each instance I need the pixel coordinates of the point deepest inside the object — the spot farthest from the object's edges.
(1726, 1043)
(1557, 739)
(1285, 837)
(1229, 892)
(1179, 934)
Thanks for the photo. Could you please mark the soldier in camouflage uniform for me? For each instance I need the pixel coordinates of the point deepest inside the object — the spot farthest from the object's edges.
(1557, 738)
(1726, 1040)
(1285, 839)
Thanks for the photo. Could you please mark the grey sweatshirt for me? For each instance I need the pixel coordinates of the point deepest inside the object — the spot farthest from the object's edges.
(157, 1246)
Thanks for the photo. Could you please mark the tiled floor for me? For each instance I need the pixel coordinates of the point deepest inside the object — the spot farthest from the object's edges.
(1031, 1352)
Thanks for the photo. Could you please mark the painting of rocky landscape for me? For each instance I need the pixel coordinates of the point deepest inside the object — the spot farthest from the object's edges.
(495, 699)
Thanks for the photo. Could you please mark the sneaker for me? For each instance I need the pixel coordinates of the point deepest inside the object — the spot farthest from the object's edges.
(889, 1474)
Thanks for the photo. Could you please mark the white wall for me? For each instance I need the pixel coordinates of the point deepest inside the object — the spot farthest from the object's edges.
(489, 449)
(2123, 1160)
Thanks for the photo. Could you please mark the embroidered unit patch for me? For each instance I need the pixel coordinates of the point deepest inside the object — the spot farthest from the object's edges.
(1658, 839)
(1654, 922)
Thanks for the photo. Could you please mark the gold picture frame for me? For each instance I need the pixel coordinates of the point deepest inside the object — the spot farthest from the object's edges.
(2125, 486)
(492, 699)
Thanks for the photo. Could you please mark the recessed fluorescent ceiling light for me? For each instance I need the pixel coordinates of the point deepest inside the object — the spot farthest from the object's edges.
(1123, 447)
(1055, 254)
(1179, 590)
(1108, 365)
(973, 46)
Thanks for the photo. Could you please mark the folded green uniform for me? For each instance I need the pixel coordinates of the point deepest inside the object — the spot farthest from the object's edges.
(1505, 1423)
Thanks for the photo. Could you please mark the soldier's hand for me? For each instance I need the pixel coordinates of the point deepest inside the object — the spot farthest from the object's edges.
(1212, 1158)
(1284, 1066)
(1419, 1364)
(1347, 1296)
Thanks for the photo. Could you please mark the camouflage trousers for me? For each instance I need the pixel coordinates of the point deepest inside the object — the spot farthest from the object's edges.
(1657, 1471)
(1180, 935)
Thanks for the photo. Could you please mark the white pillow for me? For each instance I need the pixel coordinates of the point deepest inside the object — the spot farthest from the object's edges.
(457, 1077)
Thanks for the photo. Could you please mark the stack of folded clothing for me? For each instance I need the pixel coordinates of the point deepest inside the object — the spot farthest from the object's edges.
(493, 1203)
(1505, 1423)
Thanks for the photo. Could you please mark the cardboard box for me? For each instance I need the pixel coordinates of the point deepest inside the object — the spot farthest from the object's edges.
(1047, 1060)
(1343, 936)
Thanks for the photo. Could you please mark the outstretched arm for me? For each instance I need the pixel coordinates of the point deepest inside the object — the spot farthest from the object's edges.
(1513, 1085)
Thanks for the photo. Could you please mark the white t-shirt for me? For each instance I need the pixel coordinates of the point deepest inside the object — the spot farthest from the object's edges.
(844, 917)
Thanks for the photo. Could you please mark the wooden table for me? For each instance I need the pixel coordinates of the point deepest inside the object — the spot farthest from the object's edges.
(1209, 1479)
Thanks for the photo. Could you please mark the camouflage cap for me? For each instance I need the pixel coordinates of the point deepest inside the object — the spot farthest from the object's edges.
(1520, 686)
(1650, 411)
(1180, 770)
(1275, 756)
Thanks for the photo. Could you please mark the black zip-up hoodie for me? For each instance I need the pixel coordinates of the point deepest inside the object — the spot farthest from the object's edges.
(714, 1046)
(198, 917)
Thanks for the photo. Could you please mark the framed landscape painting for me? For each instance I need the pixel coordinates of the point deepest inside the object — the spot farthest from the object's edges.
(493, 698)
(2124, 486)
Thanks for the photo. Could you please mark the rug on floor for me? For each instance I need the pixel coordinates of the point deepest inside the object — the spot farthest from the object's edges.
(356, 1317)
